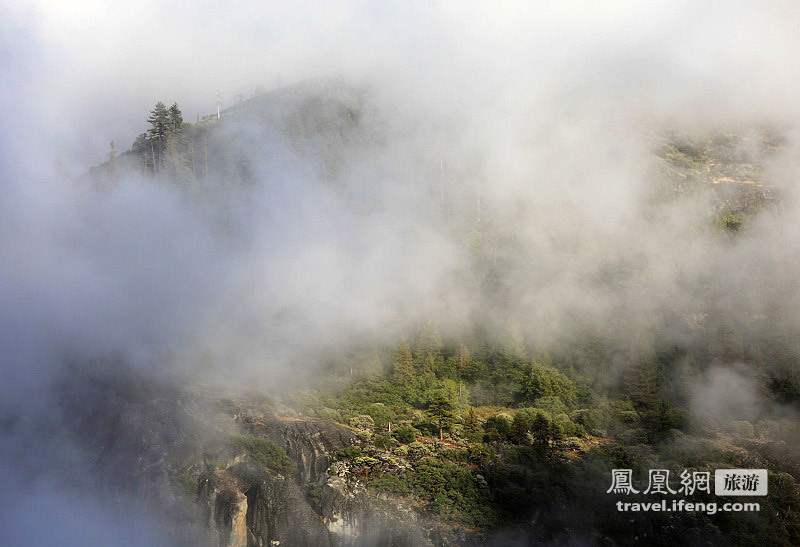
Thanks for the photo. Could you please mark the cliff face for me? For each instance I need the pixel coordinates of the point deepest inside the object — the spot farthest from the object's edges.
(168, 448)
(354, 517)
(280, 514)
(317, 504)
(225, 507)
(311, 443)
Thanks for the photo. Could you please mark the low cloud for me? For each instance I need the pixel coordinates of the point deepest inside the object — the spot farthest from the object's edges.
(513, 140)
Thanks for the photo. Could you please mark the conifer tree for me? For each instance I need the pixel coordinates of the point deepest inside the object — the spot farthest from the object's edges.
(157, 134)
(520, 426)
(442, 412)
(174, 119)
(403, 364)
(429, 349)
(472, 426)
(541, 430)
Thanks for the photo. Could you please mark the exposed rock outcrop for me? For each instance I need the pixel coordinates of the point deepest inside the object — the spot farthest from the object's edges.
(312, 443)
(280, 515)
(169, 447)
(356, 517)
(226, 508)
(321, 504)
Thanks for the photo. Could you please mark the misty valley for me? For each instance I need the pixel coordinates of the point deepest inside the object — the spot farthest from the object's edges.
(372, 338)
(399, 274)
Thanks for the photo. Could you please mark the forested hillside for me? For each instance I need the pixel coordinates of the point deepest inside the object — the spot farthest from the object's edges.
(366, 274)
(501, 415)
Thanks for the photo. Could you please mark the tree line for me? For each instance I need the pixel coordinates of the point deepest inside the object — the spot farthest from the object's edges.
(169, 148)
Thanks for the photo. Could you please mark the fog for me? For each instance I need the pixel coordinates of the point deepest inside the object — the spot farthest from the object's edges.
(541, 117)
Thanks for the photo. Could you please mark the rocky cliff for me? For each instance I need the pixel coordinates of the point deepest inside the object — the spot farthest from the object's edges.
(170, 448)
(319, 503)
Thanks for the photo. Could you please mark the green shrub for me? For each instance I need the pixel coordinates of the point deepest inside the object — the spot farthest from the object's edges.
(455, 454)
(405, 434)
(451, 490)
(363, 421)
(417, 451)
(401, 484)
(497, 429)
(731, 222)
(263, 452)
(367, 461)
(588, 418)
(382, 441)
(482, 454)
(629, 416)
(381, 414)
(569, 428)
(349, 453)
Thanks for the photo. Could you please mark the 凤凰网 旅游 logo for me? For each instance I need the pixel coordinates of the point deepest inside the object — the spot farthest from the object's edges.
(727, 482)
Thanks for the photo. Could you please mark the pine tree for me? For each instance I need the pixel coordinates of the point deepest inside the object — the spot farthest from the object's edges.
(157, 134)
(472, 426)
(429, 349)
(442, 412)
(519, 428)
(174, 119)
(403, 364)
(541, 430)
(556, 432)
